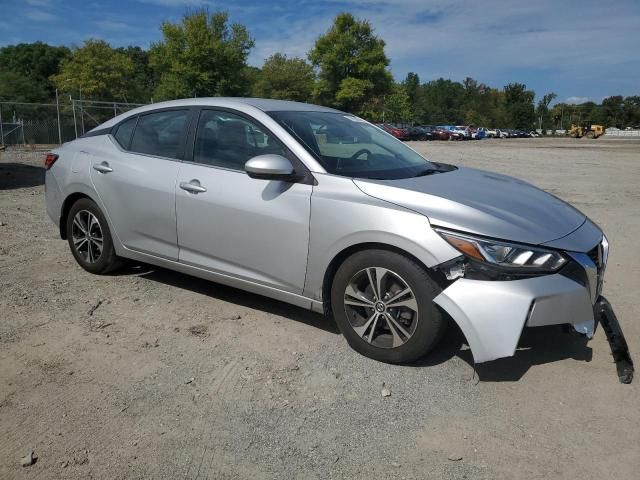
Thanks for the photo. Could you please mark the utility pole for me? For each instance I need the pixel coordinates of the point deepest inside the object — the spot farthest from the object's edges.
(58, 112)
(81, 112)
(73, 106)
(1, 129)
(383, 106)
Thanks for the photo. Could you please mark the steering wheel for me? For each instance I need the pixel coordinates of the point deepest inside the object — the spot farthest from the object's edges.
(360, 152)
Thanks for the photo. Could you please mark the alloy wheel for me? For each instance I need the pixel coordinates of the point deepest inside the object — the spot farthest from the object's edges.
(87, 236)
(381, 307)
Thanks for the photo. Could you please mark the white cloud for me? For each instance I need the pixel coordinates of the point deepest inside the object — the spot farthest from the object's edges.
(576, 100)
(114, 26)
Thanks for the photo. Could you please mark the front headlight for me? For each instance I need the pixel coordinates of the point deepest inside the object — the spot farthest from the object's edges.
(511, 256)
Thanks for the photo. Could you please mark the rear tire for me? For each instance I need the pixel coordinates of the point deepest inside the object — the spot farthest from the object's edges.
(89, 238)
(390, 327)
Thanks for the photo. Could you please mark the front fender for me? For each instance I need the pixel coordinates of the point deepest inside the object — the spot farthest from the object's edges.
(342, 216)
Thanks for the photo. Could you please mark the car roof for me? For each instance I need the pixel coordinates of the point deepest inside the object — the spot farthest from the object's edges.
(264, 104)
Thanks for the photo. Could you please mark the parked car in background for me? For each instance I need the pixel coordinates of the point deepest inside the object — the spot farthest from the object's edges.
(464, 130)
(399, 133)
(492, 133)
(454, 133)
(477, 133)
(442, 134)
(241, 191)
(507, 133)
(421, 133)
(439, 132)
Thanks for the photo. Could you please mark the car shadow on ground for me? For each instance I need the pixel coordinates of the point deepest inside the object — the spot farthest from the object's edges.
(230, 295)
(19, 175)
(537, 346)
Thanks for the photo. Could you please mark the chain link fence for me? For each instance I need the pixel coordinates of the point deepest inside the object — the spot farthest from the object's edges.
(54, 123)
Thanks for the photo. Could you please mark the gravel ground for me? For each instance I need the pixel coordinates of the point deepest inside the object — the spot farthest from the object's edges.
(153, 374)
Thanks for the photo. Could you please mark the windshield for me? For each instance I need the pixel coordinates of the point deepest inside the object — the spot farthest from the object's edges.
(349, 146)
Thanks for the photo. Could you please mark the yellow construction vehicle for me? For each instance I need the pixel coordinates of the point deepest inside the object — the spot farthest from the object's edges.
(586, 129)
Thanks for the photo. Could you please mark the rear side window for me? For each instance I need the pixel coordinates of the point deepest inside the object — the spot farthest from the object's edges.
(124, 131)
(160, 133)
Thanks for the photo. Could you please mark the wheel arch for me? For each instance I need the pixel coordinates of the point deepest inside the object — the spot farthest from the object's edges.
(341, 256)
(68, 202)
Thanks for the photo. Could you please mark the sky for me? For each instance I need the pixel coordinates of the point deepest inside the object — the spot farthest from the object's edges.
(581, 50)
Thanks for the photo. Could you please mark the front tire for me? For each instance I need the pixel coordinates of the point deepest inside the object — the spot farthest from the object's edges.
(90, 239)
(383, 304)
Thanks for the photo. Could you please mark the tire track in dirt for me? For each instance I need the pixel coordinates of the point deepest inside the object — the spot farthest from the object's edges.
(219, 386)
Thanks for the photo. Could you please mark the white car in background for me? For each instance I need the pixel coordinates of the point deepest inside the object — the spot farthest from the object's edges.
(463, 130)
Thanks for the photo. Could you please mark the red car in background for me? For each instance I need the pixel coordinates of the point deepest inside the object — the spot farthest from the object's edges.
(441, 134)
(399, 133)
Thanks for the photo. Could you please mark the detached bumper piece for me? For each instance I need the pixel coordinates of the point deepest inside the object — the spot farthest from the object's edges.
(619, 348)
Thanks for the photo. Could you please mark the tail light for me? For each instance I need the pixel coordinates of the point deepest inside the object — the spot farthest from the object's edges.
(49, 160)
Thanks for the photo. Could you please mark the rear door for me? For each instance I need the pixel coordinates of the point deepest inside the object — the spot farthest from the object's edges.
(137, 183)
(252, 229)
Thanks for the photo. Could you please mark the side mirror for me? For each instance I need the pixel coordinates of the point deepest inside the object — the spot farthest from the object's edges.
(270, 167)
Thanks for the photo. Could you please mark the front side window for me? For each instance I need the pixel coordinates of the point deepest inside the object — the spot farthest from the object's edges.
(227, 140)
(349, 146)
(160, 133)
(124, 131)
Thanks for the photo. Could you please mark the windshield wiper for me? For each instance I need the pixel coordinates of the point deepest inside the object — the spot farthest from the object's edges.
(427, 171)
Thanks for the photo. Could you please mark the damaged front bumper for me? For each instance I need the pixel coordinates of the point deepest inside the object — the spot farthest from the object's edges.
(492, 313)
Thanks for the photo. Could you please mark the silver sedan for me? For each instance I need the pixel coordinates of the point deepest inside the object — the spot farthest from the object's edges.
(321, 209)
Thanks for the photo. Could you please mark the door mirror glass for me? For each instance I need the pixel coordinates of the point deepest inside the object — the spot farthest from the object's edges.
(270, 167)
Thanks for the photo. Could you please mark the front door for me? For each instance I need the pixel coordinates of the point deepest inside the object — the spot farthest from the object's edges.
(229, 223)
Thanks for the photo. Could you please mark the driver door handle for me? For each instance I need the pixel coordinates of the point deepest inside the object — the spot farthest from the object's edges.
(102, 167)
(193, 186)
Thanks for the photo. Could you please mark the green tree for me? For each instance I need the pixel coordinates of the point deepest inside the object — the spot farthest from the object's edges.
(285, 79)
(441, 102)
(25, 69)
(411, 85)
(201, 56)
(519, 106)
(543, 108)
(251, 77)
(142, 82)
(97, 70)
(20, 88)
(352, 65)
(631, 111)
(613, 111)
(398, 105)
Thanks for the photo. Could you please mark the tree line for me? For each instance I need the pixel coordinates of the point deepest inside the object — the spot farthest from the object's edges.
(204, 54)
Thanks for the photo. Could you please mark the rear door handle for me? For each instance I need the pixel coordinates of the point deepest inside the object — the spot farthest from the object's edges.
(193, 186)
(103, 167)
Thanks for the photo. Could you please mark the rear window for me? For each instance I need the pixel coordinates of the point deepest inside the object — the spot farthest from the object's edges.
(124, 131)
(160, 133)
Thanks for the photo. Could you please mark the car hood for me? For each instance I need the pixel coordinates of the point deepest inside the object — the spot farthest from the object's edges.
(481, 202)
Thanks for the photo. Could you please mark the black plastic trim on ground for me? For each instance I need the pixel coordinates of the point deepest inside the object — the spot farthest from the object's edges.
(619, 348)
